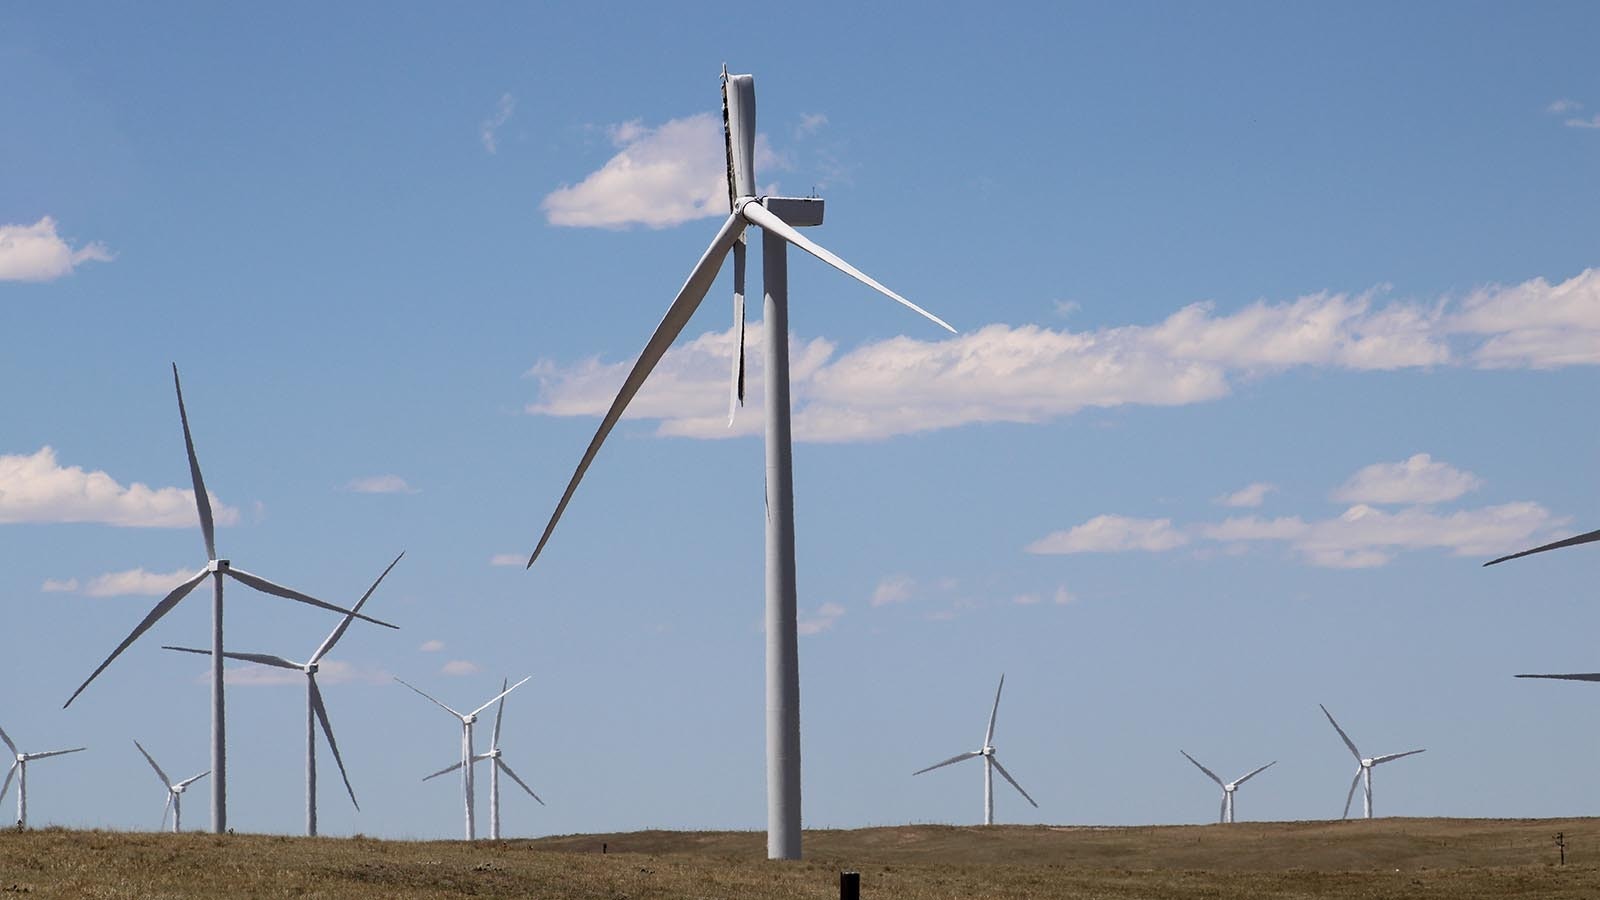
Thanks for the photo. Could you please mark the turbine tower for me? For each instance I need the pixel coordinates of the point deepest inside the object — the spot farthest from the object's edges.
(1364, 771)
(467, 755)
(316, 712)
(777, 217)
(19, 768)
(174, 791)
(497, 765)
(991, 762)
(1229, 787)
(215, 569)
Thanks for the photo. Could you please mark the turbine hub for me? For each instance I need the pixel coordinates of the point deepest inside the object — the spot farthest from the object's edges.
(179, 790)
(495, 753)
(988, 751)
(469, 720)
(310, 668)
(22, 757)
(217, 565)
(1366, 764)
(1229, 788)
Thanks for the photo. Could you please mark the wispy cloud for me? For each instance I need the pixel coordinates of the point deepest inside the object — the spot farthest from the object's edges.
(433, 646)
(1417, 480)
(823, 619)
(380, 484)
(37, 489)
(1563, 106)
(36, 253)
(489, 128)
(893, 589)
(59, 585)
(1250, 496)
(460, 667)
(1591, 122)
(135, 581)
(1111, 534)
(810, 123)
(507, 559)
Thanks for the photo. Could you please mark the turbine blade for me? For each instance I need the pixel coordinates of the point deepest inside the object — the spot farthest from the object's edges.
(265, 659)
(192, 779)
(988, 736)
(739, 134)
(1255, 773)
(1007, 775)
(1394, 756)
(1569, 542)
(953, 759)
(147, 758)
(1584, 676)
(49, 753)
(155, 614)
(7, 739)
(1209, 774)
(507, 769)
(327, 731)
(6, 785)
(344, 624)
(494, 743)
(164, 811)
(444, 771)
(201, 501)
(435, 702)
(1347, 742)
(1223, 815)
(267, 587)
(499, 695)
(683, 306)
(736, 388)
(1352, 795)
(769, 221)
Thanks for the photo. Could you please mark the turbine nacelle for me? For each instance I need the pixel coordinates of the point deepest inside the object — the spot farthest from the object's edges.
(987, 751)
(218, 565)
(1366, 763)
(310, 668)
(469, 719)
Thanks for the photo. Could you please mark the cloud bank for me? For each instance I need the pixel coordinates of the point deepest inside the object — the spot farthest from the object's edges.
(38, 489)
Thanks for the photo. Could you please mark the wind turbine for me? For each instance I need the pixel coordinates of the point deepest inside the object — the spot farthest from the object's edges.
(1227, 787)
(19, 768)
(990, 763)
(1364, 770)
(493, 754)
(467, 755)
(777, 217)
(316, 712)
(216, 569)
(174, 791)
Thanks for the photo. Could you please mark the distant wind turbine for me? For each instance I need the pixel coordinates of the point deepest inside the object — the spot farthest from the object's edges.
(777, 217)
(216, 569)
(498, 764)
(991, 762)
(19, 768)
(467, 755)
(1228, 788)
(316, 712)
(1365, 768)
(174, 791)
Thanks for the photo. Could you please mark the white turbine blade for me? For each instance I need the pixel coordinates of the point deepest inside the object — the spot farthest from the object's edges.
(499, 695)
(446, 770)
(507, 769)
(736, 387)
(1209, 774)
(1347, 742)
(201, 501)
(499, 714)
(6, 785)
(192, 779)
(344, 624)
(1569, 542)
(1222, 816)
(1394, 756)
(151, 760)
(155, 614)
(769, 221)
(435, 702)
(265, 659)
(1007, 775)
(327, 731)
(49, 753)
(739, 133)
(1255, 773)
(267, 587)
(988, 736)
(953, 759)
(1584, 676)
(165, 810)
(672, 324)
(1352, 795)
(7, 739)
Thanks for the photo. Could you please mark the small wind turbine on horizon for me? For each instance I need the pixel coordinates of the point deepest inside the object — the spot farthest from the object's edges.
(1365, 768)
(777, 217)
(468, 720)
(215, 569)
(19, 768)
(174, 791)
(316, 711)
(1226, 816)
(497, 765)
(991, 762)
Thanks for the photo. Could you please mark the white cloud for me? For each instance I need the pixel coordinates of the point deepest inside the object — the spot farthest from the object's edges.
(893, 589)
(1365, 536)
(380, 484)
(507, 559)
(1559, 107)
(488, 129)
(824, 618)
(329, 671)
(36, 489)
(1533, 325)
(1110, 534)
(460, 667)
(433, 646)
(1251, 495)
(136, 581)
(1418, 480)
(59, 585)
(662, 176)
(1591, 122)
(810, 123)
(36, 253)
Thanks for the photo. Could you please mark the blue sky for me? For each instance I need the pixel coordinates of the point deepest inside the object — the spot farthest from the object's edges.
(1275, 323)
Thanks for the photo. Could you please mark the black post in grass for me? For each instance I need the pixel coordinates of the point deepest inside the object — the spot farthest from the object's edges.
(1561, 844)
(849, 886)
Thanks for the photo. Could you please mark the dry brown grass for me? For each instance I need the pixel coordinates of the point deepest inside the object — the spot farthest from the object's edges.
(1442, 858)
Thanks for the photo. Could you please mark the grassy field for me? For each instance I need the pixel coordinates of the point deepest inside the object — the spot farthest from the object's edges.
(1443, 858)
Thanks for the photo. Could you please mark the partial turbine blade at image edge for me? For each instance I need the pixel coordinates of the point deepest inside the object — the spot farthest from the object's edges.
(1007, 776)
(202, 502)
(155, 614)
(507, 769)
(953, 759)
(672, 324)
(278, 590)
(1581, 676)
(1569, 542)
